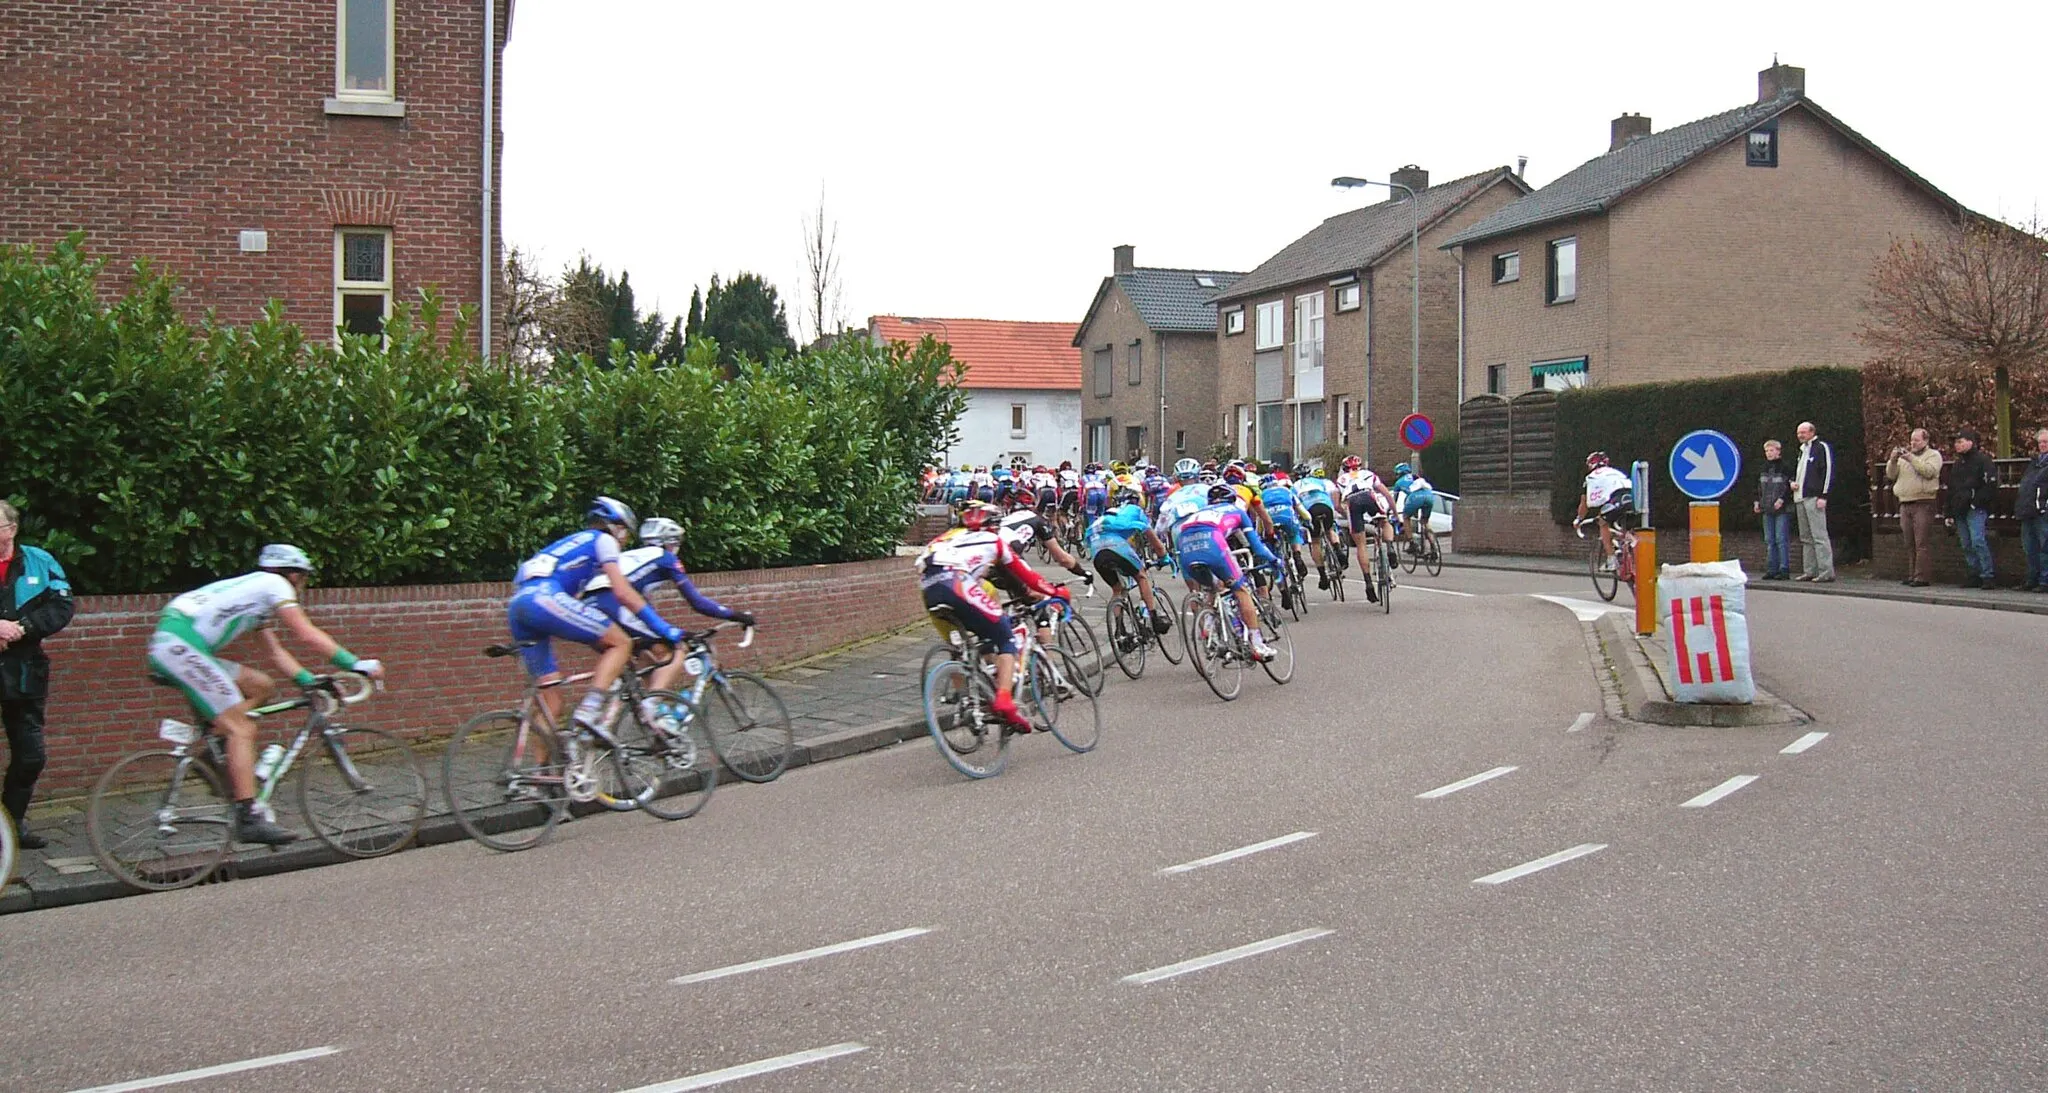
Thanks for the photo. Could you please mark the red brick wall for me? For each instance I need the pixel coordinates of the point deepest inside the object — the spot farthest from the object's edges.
(1512, 523)
(162, 129)
(430, 637)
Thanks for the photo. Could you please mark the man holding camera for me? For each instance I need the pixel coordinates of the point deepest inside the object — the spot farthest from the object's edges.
(1915, 474)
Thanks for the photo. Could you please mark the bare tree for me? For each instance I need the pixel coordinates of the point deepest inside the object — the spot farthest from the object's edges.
(1975, 295)
(529, 297)
(824, 309)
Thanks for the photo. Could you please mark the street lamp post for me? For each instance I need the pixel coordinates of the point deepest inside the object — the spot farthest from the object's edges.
(1346, 182)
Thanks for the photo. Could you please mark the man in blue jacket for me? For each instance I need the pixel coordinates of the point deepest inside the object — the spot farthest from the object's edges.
(35, 602)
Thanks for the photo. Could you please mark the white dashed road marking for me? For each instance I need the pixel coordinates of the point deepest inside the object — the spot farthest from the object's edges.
(1584, 720)
(212, 1071)
(1720, 791)
(1803, 743)
(1465, 783)
(1226, 956)
(1426, 588)
(1242, 851)
(1586, 610)
(747, 1070)
(1541, 863)
(792, 958)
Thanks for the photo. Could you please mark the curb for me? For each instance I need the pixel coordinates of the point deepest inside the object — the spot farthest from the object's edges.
(1957, 598)
(1645, 698)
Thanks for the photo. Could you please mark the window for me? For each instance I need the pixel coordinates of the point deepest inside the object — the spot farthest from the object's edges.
(1762, 147)
(1098, 441)
(1308, 428)
(1233, 321)
(1308, 346)
(1102, 367)
(1134, 441)
(1180, 441)
(1557, 375)
(1507, 267)
(1272, 417)
(1137, 363)
(363, 50)
(1016, 419)
(1563, 270)
(362, 280)
(1347, 297)
(1344, 421)
(1496, 379)
(1270, 316)
(1203, 280)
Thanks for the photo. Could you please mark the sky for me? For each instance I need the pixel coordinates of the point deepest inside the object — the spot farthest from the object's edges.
(981, 160)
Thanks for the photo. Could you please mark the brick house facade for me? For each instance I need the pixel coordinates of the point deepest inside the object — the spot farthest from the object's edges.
(1283, 388)
(326, 154)
(1148, 362)
(1737, 243)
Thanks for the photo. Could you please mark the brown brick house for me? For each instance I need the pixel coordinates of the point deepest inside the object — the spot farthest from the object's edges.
(1148, 346)
(1314, 346)
(327, 154)
(1740, 242)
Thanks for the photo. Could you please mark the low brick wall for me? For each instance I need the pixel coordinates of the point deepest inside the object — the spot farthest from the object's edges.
(1888, 554)
(1512, 523)
(431, 637)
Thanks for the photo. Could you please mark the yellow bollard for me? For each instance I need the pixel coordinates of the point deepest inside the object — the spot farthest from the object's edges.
(1646, 581)
(1706, 531)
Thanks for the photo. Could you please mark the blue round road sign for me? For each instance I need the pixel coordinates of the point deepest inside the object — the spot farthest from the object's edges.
(1417, 431)
(1704, 464)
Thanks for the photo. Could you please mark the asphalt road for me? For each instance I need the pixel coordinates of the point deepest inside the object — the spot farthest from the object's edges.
(1865, 914)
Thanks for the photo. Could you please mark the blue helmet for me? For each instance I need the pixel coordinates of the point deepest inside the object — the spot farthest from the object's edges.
(1403, 468)
(1268, 481)
(613, 512)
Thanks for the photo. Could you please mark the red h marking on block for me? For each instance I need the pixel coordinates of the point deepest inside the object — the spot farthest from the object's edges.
(1688, 662)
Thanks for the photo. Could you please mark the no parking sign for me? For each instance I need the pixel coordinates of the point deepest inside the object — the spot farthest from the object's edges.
(1417, 431)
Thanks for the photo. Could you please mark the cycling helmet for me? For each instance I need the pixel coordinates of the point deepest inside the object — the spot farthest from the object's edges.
(1066, 464)
(1220, 493)
(1208, 477)
(1120, 467)
(1403, 468)
(284, 556)
(1352, 462)
(1126, 496)
(975, 515)
(1301, 470)
(1040, 469)
(613, 512)
(1187, 470)
(1596, 459)
(1234, 473)
(660, 531)
(1268, 481)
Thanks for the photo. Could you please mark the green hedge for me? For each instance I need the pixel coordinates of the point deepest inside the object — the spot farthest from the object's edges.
(1644, 421)
(1440, 462)
(151, 453)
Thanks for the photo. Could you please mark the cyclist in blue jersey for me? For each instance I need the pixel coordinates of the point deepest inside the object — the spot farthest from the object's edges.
(1204, 546)
(1316, 492)
(1290, 518)
(648, 567)
(1418, 499)
(958, 484)
(1156, 486)
(1094, 491)
(1114, 547)
(544, 607)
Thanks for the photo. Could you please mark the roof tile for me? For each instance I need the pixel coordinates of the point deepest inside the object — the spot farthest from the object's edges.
(1175, 300)
(998, 353)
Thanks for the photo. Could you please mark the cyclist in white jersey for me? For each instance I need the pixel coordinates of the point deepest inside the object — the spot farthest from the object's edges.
(194, 628)
(1610, 494)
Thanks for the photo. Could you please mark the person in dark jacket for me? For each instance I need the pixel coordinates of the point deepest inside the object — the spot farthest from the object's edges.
(1812, 479)
(1972, 487)
(1773, 507)
(2032, 509)
(35, 602)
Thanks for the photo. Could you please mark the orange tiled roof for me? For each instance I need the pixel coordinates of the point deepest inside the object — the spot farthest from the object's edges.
(998, 352)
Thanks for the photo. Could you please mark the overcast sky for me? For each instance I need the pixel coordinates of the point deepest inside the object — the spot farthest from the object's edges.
(981, 160)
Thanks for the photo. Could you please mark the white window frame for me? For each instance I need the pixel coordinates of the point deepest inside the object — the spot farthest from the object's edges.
(1233, 321)
(1018, 420)
(1271, 325)
(344, 287)
(1349, 297)
(341, 89)
(1343, 422)
(1553, 275)
(1500, 264)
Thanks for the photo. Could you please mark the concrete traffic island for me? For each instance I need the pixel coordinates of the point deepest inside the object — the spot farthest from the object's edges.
(1637, 663)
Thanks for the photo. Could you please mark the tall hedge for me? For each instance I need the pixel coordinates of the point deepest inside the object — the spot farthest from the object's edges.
(152, 453)
(1644, 421)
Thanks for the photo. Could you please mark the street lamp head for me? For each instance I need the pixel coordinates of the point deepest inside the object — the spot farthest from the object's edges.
(1346, 182)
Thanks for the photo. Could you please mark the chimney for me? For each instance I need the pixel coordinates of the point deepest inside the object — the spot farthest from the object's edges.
(1521, 165)
(1626, 128)
(1778, 79)
(1411, 176)
(1126, 258)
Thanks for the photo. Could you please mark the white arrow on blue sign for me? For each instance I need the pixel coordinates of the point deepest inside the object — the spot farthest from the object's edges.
(1704, 464)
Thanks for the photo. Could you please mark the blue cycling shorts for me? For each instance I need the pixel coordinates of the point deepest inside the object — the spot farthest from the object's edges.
(1293, 529)
(1095, 502)
(540, 612)
(1205, 556)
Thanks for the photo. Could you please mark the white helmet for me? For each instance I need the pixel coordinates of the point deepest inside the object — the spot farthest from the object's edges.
(660, 531)
(284, 556)
(1187, 469)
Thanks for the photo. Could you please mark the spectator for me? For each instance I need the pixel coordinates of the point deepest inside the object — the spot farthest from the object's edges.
(35, 602)
(1972, 484)
(1915, 474)
(2032, 510)
(1773, 505)
(1810, 486)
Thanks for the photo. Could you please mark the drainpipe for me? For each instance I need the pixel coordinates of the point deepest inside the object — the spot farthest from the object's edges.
(1160, 444)
(490, 89)
(1461, 325)
(1371, 335)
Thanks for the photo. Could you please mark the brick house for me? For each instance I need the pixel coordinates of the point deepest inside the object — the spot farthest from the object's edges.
(1313, 345)
(1740, 242)
(1023, 385)
(327, 154)
(1149, 350)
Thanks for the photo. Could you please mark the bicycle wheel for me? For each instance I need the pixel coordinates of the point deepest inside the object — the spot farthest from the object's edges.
(1225, 674)
(1191, 610)
(668, 755)
(362, 791)
(159, 820)
(1409, 555)
(1385, 572)
(503, 783)
(748, 725)
(1079, 724)
(969, 735)
(1432, 554)
(1605, 581)
(1280, 637)
(1128, 641)
(1172, 646)
(1078, 638)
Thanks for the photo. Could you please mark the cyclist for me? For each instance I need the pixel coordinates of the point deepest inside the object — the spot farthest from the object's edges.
(1203, 544)
(1000, 474)
(1418, 500)
(958, 484)
(1190, 495)
(956, 567)
(1045, 489)
(544, 607)
(1156, 486)
(185, 649)
(1611, 495)
(1094, 491)
(1315, 492)
(1366, 498)
(1025, 529)
(647, 567)
(1114, 546)
(1235, 476)
(1285, 510)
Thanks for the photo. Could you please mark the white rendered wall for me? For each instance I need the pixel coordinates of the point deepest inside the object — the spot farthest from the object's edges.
(1052, 427)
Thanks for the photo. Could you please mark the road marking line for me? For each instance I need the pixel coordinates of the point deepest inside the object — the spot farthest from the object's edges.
(1226, 956)
(212, 1071)
(792, 958)
(1584, 720)
(1541, 863)
(1438, 591)
(1803, 743)
(747, 1070)
(1586, 610)
(1720, 791)
(1464, 783)
(1232, 855)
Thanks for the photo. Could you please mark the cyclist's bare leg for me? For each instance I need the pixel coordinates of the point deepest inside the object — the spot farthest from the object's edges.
(1606, 539)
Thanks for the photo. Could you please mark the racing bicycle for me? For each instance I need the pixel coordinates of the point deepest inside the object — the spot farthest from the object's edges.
(745, 720)
(1336, 559)
(959, 689)
(1611, 568)
(1130, 635)
(1422, 549)
(1220, 646)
